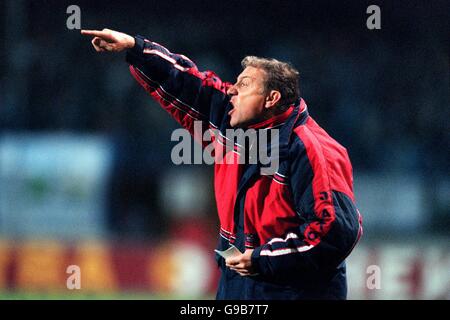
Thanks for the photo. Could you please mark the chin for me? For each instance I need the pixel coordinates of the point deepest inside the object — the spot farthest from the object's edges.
(234, 123)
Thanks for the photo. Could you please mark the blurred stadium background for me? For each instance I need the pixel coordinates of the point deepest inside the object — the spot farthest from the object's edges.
(85, 172)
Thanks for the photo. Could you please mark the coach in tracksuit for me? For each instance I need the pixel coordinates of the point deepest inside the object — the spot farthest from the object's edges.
(294, 227)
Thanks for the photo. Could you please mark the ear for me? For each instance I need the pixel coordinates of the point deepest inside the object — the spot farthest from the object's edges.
(272, 98)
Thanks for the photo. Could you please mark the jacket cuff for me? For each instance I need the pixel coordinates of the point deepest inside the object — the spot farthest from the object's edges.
(134, 53)
(256, 260)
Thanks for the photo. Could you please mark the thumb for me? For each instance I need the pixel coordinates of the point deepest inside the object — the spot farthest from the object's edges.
(232, 260)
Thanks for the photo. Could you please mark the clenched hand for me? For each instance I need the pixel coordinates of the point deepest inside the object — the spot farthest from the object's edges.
(242, 264)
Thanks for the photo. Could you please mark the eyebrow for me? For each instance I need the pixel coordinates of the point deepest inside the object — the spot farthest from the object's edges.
(240, 79)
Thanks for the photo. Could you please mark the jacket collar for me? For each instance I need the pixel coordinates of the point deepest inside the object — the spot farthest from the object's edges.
(298, 115)
(274, 121)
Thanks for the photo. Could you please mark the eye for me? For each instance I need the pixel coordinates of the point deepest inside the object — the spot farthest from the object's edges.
(242, 84)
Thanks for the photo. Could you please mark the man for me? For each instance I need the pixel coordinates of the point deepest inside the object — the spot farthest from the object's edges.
(295, 227)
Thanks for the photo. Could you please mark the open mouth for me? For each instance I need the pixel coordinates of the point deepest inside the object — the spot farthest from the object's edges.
(232, 109)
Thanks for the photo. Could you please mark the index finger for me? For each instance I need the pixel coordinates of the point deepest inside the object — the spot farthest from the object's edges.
(95, 33)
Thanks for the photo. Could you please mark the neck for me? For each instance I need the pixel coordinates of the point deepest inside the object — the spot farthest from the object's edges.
(273, 112)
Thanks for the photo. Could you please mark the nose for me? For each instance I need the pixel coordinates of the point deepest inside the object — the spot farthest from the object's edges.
(232, 91)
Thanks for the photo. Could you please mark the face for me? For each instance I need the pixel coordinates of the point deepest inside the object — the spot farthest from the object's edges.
(247, 98)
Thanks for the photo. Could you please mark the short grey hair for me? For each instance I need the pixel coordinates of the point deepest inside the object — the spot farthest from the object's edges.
(281, 76)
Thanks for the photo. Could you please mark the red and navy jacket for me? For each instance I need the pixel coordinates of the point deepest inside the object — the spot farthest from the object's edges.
(301, 221)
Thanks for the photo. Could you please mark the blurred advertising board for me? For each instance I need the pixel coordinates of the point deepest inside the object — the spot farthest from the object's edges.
(53, 185)
(174, 269)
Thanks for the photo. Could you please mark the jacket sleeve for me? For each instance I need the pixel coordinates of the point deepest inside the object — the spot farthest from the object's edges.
(174, 81)
(330, 224)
